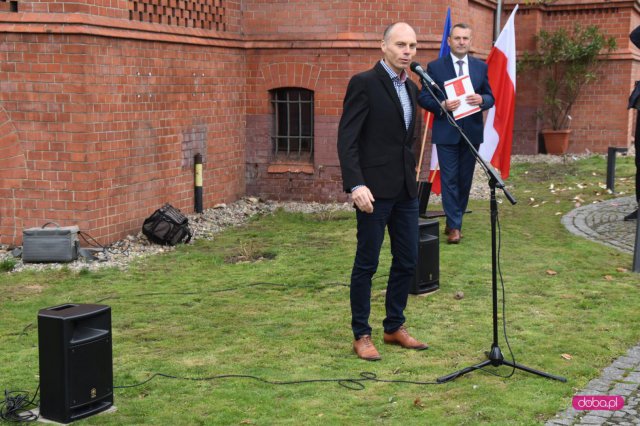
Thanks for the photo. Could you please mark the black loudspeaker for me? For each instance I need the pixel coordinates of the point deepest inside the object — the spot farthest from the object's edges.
(76, 368)
(427, 276)
(424, 193)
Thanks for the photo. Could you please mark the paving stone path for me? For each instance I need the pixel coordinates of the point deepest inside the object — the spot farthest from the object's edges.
(602, 222)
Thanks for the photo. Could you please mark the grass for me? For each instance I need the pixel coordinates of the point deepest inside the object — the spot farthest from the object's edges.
(271, 300)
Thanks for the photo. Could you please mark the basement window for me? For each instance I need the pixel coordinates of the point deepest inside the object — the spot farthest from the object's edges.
(292, 130)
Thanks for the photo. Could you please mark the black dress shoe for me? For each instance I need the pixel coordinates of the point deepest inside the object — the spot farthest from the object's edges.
(632, 216)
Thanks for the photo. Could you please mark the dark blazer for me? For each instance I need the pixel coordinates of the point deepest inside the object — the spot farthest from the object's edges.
(441, 70)
(374, 146)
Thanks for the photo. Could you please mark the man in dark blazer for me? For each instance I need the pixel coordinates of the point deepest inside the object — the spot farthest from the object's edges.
(456, 160)
(375, 147)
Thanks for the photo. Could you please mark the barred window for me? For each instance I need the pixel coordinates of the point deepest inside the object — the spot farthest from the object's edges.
(292, 135)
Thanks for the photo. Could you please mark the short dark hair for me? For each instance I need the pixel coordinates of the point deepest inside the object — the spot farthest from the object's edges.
(460, 25)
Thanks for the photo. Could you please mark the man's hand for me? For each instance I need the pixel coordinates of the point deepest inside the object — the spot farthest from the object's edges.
(451, 104)
(474, 100)
(363, 199)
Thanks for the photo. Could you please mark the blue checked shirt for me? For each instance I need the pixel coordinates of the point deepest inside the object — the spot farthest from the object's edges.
(401, 89)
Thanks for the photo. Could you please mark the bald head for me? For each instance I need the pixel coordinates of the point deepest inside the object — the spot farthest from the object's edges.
(399, 45)
(390, 29)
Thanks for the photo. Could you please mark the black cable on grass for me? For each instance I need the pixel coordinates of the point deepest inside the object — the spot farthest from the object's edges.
(16, 406)
(357, 383)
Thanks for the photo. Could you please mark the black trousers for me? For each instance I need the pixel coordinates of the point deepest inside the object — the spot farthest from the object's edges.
(400, 217)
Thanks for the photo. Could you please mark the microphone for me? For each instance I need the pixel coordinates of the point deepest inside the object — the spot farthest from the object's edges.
(416, 68)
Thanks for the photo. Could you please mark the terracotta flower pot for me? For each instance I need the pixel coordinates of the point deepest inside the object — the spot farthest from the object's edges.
(556, 141)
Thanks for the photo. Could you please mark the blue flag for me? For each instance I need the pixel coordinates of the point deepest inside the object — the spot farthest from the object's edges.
(444, 47)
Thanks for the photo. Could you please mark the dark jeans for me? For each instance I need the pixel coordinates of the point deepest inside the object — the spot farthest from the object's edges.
(400, 216)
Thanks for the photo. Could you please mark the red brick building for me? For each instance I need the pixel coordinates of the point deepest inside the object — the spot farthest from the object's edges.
(104, 103)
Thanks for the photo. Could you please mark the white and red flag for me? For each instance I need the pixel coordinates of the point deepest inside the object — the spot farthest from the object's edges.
(498, 127)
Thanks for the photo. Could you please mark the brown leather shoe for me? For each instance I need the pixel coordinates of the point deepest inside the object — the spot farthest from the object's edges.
(447, 231)
(454, 236)
(364, 349)
(401, 337)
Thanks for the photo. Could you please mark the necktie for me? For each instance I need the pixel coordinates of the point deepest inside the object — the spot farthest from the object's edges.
(460, 72)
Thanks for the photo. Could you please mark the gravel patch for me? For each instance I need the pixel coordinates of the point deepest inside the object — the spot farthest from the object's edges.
(203, 226)
(220, 217)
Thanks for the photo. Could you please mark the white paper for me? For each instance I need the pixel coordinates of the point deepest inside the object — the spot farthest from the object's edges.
(459, 88)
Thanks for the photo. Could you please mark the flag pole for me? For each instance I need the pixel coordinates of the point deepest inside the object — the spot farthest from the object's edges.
(496, 29)
(424, 141)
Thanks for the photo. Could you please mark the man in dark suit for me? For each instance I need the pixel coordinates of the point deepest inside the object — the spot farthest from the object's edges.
(456, 160)
(375, 147)
(635, 39)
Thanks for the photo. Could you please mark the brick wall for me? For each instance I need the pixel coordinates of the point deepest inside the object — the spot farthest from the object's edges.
(592, 131)
(108, 129)
(218, 15)
(356, 48)
(104, 103)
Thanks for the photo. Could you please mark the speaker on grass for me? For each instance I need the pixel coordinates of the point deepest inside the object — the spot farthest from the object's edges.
(427, 276)
(75, 355)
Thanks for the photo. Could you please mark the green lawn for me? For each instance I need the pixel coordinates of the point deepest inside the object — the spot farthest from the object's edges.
(194, 314)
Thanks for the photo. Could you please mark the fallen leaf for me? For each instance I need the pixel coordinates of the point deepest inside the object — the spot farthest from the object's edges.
(459, 295)
(418, 403)
(622, 270)
(551, 272)
(566, 356)
(608, 277)
(246, 422)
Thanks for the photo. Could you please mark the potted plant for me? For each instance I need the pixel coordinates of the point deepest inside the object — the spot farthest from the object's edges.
(566, 61)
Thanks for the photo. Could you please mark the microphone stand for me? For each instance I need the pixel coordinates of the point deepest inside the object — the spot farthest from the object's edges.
(495, 357)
